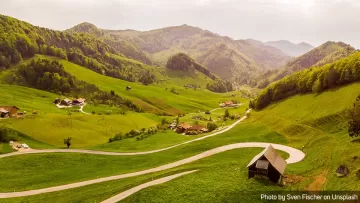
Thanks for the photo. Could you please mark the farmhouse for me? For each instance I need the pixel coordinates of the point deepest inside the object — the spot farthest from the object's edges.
(65, 102)
(11, 111)
(228, 103)
(196, 129)
(267, 164)
(79, 101)
(183, 127)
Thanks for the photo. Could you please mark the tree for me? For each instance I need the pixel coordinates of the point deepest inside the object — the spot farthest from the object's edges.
(177, 120)
(211, 126)
(163, 121)
(354, 123)
(67, 141)
(317, 87)
(227, 114)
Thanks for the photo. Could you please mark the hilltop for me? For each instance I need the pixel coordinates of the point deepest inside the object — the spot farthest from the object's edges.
(241, 58)
(324, 54)
(290, 48)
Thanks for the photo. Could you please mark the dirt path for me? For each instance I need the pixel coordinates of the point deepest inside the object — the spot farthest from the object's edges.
(82, 111)
(133, 190)
(295, 155)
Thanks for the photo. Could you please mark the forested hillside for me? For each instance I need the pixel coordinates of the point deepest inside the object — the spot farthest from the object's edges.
(317, 79)
(182, 62)
(230, 59)
(123, 46)
(20, 40)
(324, 54)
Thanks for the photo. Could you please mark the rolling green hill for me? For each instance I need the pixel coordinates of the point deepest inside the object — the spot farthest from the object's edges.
(326, 53)
(156, 98)
(303, 120)
(21, 40)
(316, 80)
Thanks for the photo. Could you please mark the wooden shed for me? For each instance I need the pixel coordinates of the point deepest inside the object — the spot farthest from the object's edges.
(267, 164)
(342, 171)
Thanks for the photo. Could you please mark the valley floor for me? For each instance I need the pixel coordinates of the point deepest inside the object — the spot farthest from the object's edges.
(305, 120)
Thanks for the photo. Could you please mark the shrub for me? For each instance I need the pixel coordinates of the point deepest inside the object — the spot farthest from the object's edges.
(211, 126)
(7, 135)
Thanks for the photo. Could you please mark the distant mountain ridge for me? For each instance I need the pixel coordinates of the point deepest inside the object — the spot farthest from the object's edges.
(290, 48)
(230, 59)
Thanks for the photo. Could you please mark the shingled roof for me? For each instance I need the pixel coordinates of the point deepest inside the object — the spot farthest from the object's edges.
(273, 157)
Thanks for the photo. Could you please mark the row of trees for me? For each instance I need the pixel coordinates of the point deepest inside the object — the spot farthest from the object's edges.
(314, 80)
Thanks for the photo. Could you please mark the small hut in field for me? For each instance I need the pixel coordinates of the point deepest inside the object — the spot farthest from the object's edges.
(342, 171)
(268, 164)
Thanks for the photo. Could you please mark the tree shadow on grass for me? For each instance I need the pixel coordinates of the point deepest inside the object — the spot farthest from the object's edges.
(356, 140)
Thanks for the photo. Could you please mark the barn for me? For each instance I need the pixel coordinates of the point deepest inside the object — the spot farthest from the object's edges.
(267, 164)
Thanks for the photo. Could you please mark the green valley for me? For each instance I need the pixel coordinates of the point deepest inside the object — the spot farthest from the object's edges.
(175, 114)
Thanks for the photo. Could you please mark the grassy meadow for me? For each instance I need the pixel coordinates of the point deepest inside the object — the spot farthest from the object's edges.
(305, 120)
(153, 98)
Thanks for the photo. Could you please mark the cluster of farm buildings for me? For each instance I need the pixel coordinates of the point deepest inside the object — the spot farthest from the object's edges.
(68, 102)
(188, 129)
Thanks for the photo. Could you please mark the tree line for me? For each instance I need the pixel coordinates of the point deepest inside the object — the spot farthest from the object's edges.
(315, 80)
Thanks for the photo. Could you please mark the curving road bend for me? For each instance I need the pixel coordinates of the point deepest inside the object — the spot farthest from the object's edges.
(133, 190)
(295, 156)
(34, 151)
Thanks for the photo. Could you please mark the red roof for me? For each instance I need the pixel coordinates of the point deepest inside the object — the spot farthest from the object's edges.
(228, 103)
(185, 126)
(197, 127)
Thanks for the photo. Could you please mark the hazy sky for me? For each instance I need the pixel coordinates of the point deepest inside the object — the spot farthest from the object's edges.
(312, 21)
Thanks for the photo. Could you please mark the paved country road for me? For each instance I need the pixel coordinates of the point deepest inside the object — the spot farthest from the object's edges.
(133, 190)
(295, 155)
(34, 151)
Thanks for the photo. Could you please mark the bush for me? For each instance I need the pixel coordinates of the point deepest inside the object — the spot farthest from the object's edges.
(7, 135)
(211, 126)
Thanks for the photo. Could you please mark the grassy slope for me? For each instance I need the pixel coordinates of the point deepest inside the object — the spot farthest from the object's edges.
(85, 130)
(315, 121)
(168, 138)
(153, 97)
(93, 130)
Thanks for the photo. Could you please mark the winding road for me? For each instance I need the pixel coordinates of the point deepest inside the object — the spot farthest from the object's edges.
(295, 155)
(34, 151)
